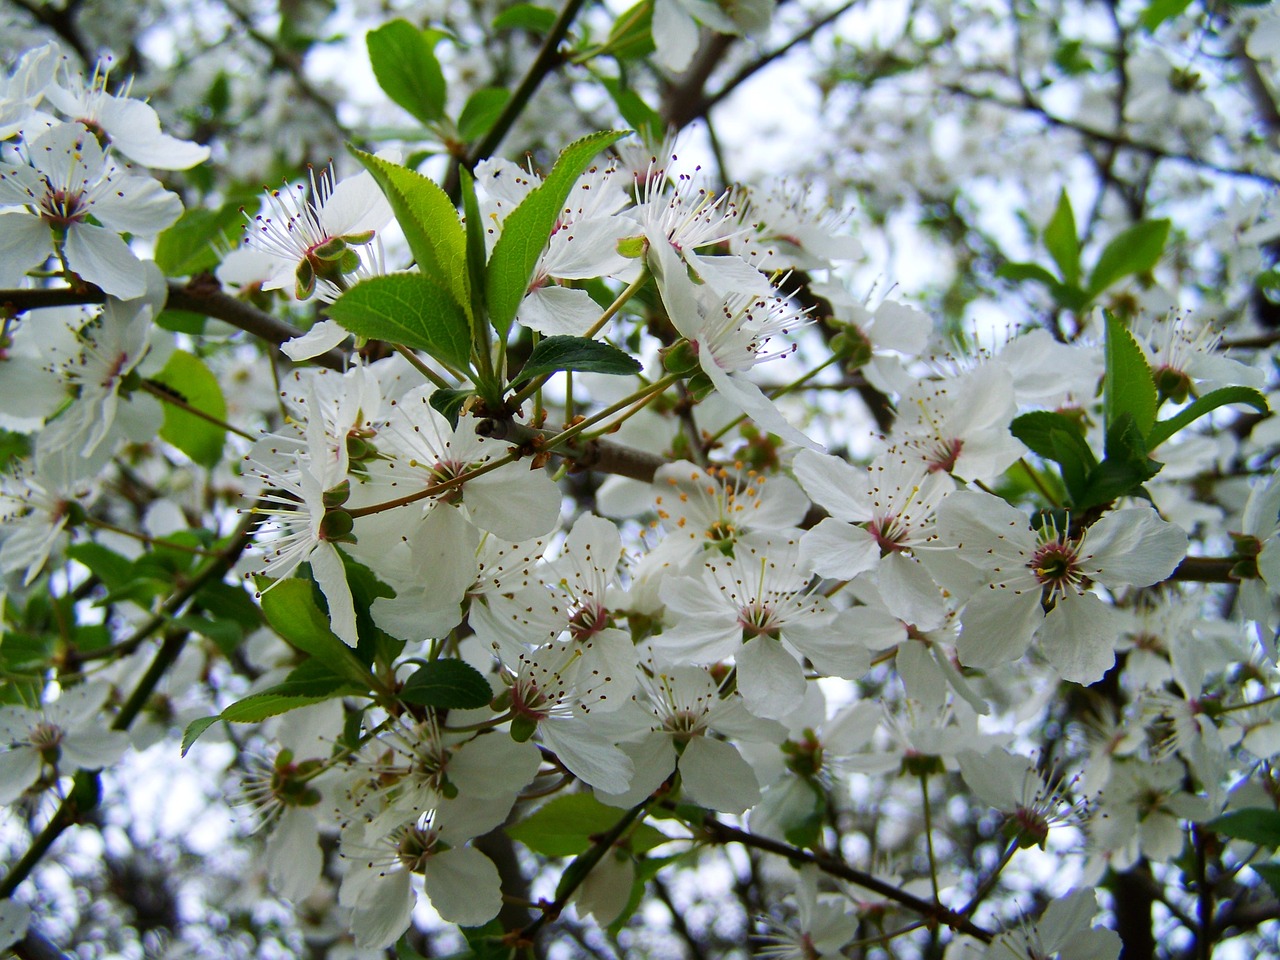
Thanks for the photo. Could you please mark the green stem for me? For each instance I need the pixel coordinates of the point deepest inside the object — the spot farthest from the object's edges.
(416, 362)
(164, 396)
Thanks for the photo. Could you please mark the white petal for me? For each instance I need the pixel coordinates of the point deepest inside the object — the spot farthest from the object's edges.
(997, 628)
(14, 919)
(383, 910)
(715, 775)
(1134, 546)
(324, 336)
(24, 243)
(330, 574)
(750, 399)
(293, 855)
(769, 678)
(464, 886)
(99, 256)
(556, 310)
(839, 550)
(675, 34)
(1078, 636)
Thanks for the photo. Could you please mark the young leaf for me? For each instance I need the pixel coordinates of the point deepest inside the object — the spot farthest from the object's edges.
(405, 66)
(646, 121)
(430, 223)
(187, 378)
(1062, 242)
(449, 403)
(451, 684)
(1134, 251)
(1127, 386)
(1164, 429)
(408, 308)
(528, 227)
(190, 245)
(1158, 11)
(576, 353)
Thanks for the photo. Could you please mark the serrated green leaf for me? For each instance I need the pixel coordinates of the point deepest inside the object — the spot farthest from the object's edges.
(430, 223)
(1158, 11)
(187, 378)
(1134, 251)
(1164, 429)
(1260, 825)
(1127, 386)
(552, 354)
(528, 227)
(525, 16)
(194, 730)
(408, 308)
(449, 684)
(260, 706)
(1062, 241)
(480, 111)
(1125, 469)
(405, 66)
(568, 825)
(291, 611)
(191, 245)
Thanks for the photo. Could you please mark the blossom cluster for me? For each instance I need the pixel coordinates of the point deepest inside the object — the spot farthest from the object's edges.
(476, 641)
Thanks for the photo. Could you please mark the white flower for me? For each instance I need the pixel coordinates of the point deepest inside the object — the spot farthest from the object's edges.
(462, 884)
(730, 335)
(323, 242)
(678, 711)
(1027, 570)
(77, 203)
(60, 737)
(757, 609)
(131, 126)
(881, 520)
(822, 926)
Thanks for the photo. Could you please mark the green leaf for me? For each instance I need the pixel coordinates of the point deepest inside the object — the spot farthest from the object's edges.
(269, 703)
(1270, 872)
(13, 447)
(477, 255)
(631, 35)
(1260, 825)
(568, 825)
(1021, 272)
(1127, 386)
(1062, 241)
(187, 378)
(227, 634)
(449, 403)
(1059, 438)
(408, 308)
(430, 223)
(115, 571)
(291, 611)
(1158, 11)
(1125, 469)
(1134, 251)
(576, 353)
(450, 684)
(528, 227)
(488, 942)
(1164, 429)
(194, 729)
(405, 66)
(182, 321)
(481, 110)
(190, 246)
(525, 16)
(642, 118)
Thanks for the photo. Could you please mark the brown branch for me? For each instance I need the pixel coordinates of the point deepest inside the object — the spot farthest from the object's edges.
(1205, 570)
(1106, 138)
(202, 295)
(717, 832)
